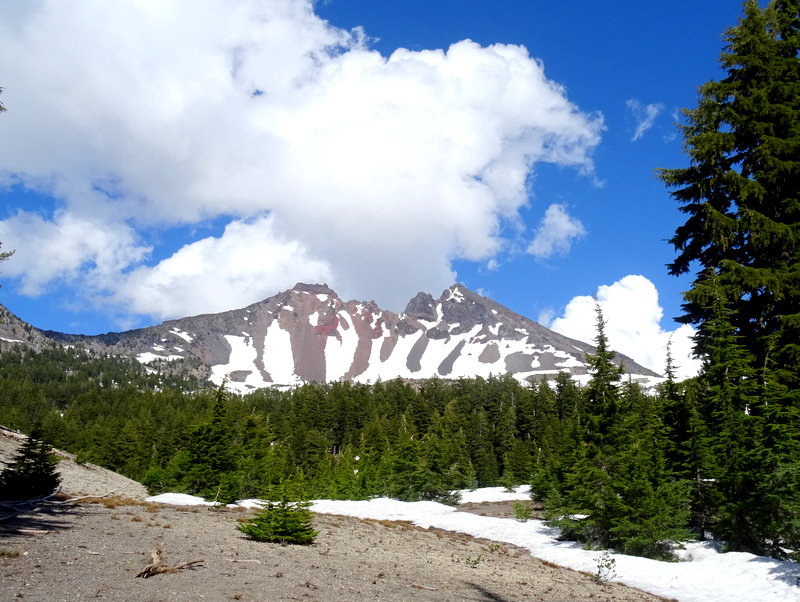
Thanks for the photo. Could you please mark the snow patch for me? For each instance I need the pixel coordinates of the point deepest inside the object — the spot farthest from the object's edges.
(704, 573)
(180, 333)
(455, 295)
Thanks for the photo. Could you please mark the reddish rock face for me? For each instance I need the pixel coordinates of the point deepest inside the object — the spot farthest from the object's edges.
(309, 334)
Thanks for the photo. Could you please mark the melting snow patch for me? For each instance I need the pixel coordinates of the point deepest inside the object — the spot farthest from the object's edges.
(703, 574)
(178, 499)
(184, 335)
(495, 494)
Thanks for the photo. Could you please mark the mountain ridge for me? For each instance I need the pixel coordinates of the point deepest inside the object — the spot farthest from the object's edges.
(308, 334)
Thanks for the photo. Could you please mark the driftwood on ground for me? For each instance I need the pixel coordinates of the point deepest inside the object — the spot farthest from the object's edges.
(10, 509)
(157, 566)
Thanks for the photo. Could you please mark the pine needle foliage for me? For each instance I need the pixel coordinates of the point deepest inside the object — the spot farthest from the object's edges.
(31, 472)
(284, 521)
(742, 236)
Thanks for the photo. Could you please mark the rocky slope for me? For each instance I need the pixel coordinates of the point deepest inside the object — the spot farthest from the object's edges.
(309, 334)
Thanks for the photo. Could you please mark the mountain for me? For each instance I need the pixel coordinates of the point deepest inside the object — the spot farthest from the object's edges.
(309, 334)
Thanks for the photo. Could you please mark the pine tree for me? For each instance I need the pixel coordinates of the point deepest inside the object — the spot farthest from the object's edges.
(729, 392)
(686, 445)
(602, 391)
(740, 191)
(31, 472)
(285, 519)
(618, 482)
(210, 468)
(742, 235)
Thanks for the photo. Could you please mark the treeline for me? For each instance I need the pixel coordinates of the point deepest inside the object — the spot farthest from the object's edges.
(601, 450)
(612, 465)
(346, 440)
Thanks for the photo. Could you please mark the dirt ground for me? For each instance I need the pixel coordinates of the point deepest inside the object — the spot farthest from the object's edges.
(94, 549)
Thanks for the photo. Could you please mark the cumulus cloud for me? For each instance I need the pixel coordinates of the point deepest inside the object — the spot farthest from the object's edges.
(633, 315)
(217, 274)
(54, 250)
(376, 172)
(644, 116)
(556, 233)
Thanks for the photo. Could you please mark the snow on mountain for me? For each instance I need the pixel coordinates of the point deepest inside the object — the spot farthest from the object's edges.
(308, 334)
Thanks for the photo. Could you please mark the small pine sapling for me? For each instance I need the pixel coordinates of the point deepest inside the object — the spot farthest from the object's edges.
(523, 512)
(283, 521)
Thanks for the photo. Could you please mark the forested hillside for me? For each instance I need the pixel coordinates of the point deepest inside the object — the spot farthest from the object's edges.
(351, 441)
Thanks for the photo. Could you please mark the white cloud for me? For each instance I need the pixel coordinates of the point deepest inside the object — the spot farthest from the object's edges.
(218, 274)
(381, 169)
(556, 233)
(644, 116)
(57, 249)
(633, 315)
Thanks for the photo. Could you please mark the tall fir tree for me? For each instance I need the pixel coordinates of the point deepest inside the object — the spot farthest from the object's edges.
(210, 469)
(618, 482)
(602, 391)
(742, 235)
(730, 394)
(740, 192)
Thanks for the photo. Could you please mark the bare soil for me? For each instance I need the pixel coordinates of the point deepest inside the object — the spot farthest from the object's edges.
(94, 549)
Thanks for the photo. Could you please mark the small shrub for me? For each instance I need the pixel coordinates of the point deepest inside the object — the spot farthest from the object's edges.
(522, 511)
(606, 568)
(281, 522)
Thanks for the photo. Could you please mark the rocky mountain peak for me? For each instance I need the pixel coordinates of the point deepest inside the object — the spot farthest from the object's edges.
(422, 307)
(316, 289)
(309, 334)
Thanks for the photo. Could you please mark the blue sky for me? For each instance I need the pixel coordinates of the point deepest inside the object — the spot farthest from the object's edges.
(171, 159)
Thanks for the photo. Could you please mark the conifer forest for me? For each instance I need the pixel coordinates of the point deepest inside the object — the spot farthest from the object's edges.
(612, 465)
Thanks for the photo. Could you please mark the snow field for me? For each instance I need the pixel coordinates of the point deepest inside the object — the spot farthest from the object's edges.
(703, 575)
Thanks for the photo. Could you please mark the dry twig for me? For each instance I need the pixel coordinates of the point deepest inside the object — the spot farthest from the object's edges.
(157, 566)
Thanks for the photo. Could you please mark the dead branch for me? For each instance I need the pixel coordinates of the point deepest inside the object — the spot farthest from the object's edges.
(72, 500)
(157, 566)
(17, 507)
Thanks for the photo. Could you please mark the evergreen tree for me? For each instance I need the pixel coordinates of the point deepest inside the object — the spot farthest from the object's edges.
(686, 444)
(740, 191)
(730, 392)
(742, 234)
(618, 483)
(31, 472)
(602, 391)
(210, 463)
(5, 254)
(286, 518)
